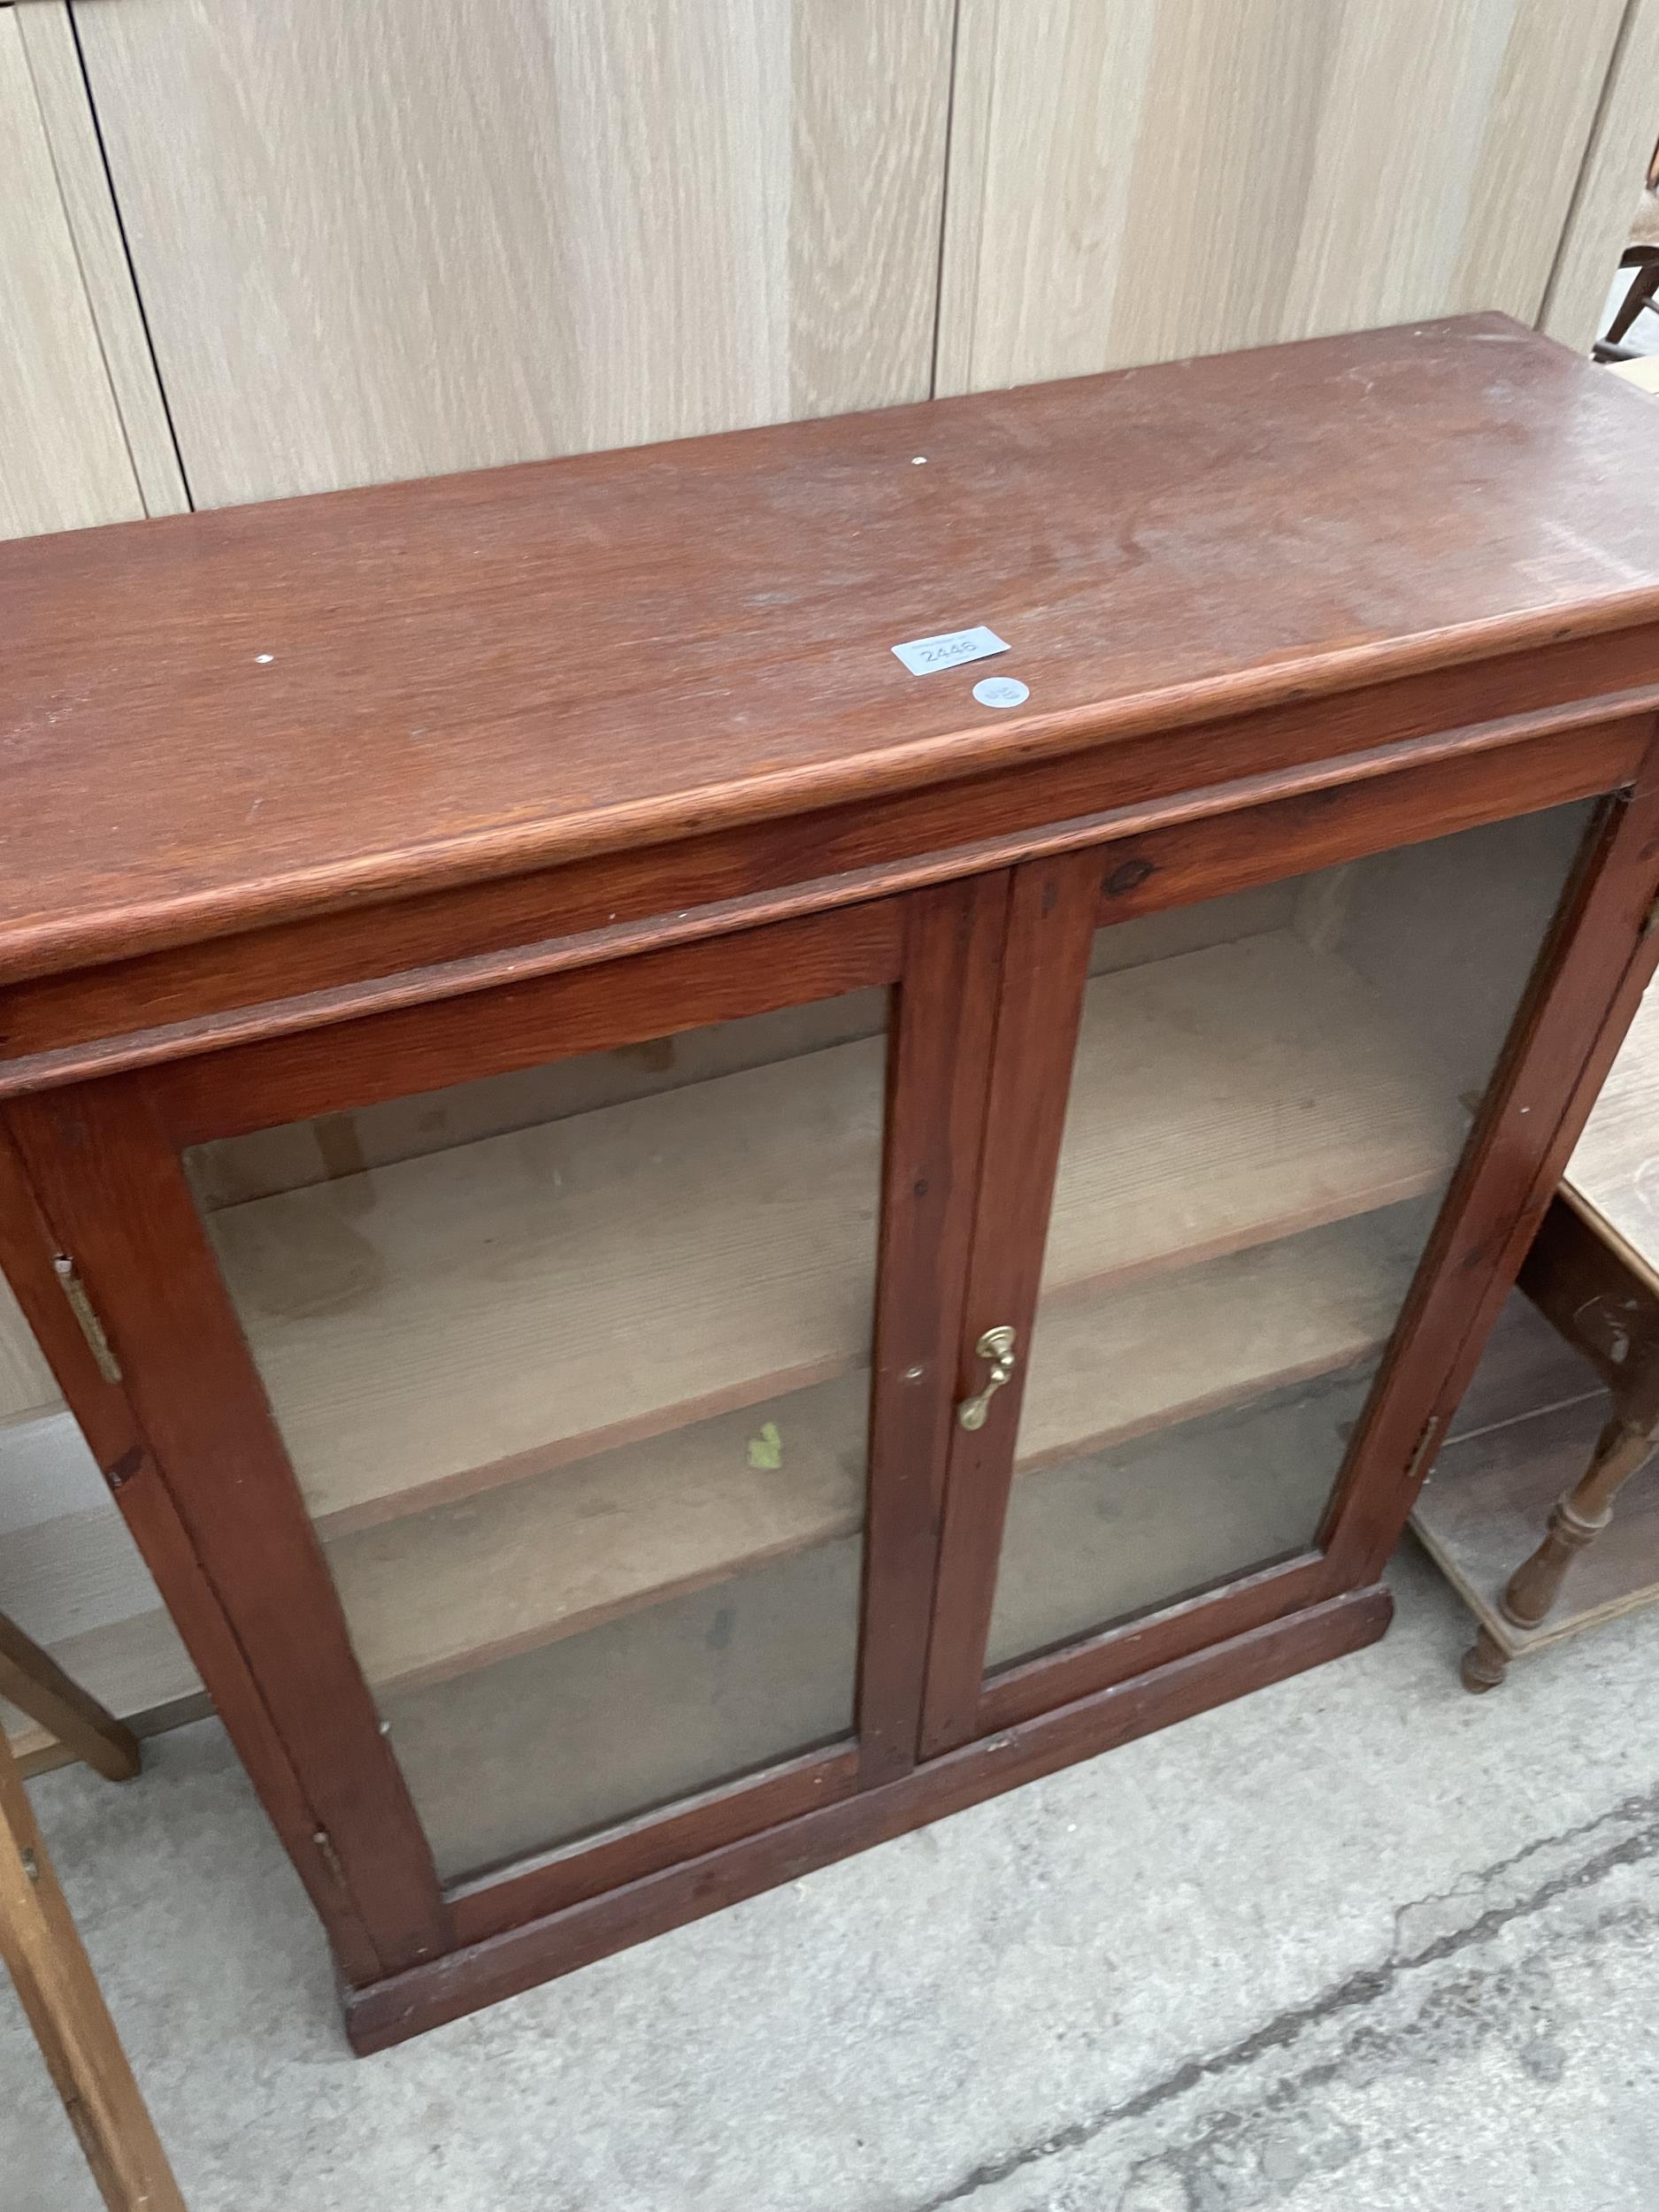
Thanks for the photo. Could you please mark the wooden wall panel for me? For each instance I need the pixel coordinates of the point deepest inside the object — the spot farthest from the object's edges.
(388, 239)
(54, 60)
(1609, 183)
(1155, 177)
(64, 461)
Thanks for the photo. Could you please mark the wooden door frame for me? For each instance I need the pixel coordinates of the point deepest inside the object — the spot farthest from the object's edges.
(1497, 1193)
(99, 1176)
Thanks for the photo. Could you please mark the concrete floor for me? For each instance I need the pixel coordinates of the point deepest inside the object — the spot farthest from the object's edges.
(1360, 1941)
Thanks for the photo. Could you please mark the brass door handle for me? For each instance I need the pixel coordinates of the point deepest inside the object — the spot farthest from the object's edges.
(997, 1345)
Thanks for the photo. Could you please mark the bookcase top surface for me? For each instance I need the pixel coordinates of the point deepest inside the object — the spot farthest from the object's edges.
(215, 721)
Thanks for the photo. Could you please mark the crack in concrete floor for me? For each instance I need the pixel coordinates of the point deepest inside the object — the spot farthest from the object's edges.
(1176, 1979)
(1636, 1815)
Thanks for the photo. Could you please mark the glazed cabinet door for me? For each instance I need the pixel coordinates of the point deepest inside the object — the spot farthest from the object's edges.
(556, 1382)
(1221, 1135)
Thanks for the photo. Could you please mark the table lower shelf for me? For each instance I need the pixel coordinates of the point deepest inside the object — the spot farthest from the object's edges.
(1529, 1425)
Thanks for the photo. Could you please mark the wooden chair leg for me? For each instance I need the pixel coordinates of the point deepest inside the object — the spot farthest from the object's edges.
(1484, 1664)
(44, 1956)
(1643, 285)
(1579, 1519)
(33, 1682)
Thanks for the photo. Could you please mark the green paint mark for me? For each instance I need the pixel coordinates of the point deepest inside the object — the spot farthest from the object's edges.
(765, 1451)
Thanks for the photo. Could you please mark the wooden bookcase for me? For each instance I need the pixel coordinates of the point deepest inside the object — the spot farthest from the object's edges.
(685, 1249)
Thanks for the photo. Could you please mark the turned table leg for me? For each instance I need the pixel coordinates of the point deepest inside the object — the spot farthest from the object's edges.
(1484, 1663)
(1622, 1446)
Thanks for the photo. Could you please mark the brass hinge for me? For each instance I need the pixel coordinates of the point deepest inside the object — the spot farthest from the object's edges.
(1423, 1451)
(91, 1327)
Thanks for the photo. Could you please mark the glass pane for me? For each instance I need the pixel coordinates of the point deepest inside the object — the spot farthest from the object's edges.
(574, 1369)
(1271, 1093)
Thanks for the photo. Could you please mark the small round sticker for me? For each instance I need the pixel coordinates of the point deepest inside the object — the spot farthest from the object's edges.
(1001, 691)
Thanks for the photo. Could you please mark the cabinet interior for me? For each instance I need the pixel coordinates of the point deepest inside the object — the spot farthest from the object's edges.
(580, 1357)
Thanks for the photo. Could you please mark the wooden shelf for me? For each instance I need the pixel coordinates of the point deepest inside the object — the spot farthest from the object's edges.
(501, 1572)
(464, 1317)
(1233, 1095)
(452, 1589)
(433, 1326)
(1106, 1368)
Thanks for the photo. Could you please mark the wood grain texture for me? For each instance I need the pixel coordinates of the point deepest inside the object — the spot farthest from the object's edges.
(54, 59)
(521, 1025)
(710, 1821)
(435, 242)
(76, 1574)
(644, 1712)
(137, 1666)
(300, 1154)
(415, 727)
(1581, 1000)
(26, 1388)
(1130, 185)
(282, 979)
(63, 461)
(1098, 1540)
(72, 1575)
(1039, 1006)
(533, 1296)
(1234, 1094)
(1609, 184)
(1614, 1170)
(61, 1999)
(939, 1070)
(107, 1416)
(112, 1187)
(1118, 1364)
(1485, 1502)
(520, 1957)
(440, 1323)
(434, 1593)
(32, 1679)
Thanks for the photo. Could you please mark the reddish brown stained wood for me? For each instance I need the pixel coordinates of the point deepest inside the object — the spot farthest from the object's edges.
(649, 1844)
(1051, 922)
(476, 675)
(117, 1196)
(1559, 1052)
(112, 1431)
(408, 2003)
(159, 1006)
(938, 1065)
(1584, 1282)
(1131, 1647)
(1316, 827)
(524, 1025)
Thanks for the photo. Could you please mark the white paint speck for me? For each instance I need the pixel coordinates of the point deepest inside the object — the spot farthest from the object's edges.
(918, 461)
(264, 659)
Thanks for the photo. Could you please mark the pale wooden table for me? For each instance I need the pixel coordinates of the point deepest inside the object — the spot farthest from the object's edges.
(47, 1963)
(1564, 1408)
